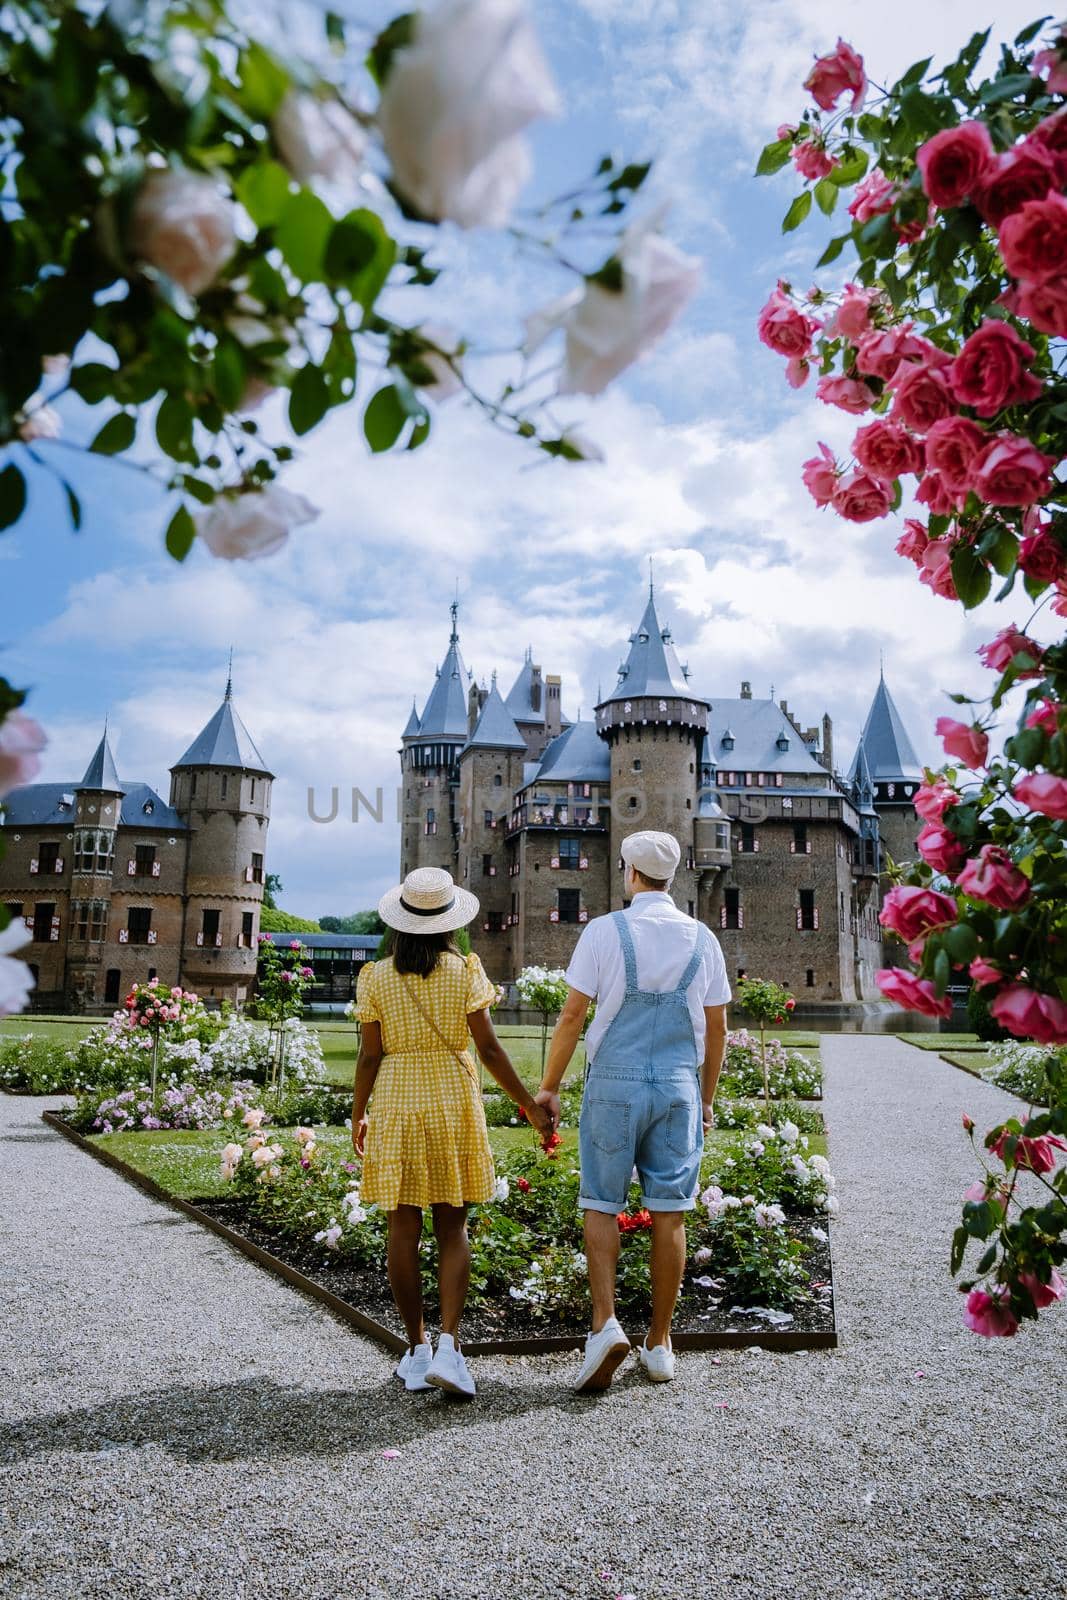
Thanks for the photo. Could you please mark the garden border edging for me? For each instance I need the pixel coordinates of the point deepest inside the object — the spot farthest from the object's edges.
(766, 1338)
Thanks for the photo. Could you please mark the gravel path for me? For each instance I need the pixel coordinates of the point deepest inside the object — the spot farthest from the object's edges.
(177, 1423)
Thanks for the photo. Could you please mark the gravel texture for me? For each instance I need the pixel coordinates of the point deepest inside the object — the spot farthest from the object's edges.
(176, 1422)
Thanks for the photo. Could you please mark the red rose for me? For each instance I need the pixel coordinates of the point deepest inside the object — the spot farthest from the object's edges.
(952, 447)
(1027, 172)
(1051, 135)
(886, 451)
(935, 568)
(833, 75)
(922, 396)
(1012, 472)
(990, 371)
(811, 160)
(861, 499)
(934, 492)
(911, 992)
(913, 540)
(880, 352)
(1043, 304)
(954, 162)
(993, 878)
(912, 913)
(1009, 642)
(1042, 557)
(1033, 240)
(965, 740)
(940, 848)
(523, 1185)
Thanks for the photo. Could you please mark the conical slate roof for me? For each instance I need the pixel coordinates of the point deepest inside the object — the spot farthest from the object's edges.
(101, 773)
(445, 712)
(888, 750)
(413, 724)
(578, 755)
(862, 782)
(495, 727)
(224, 742)
(652, 666)
(519, 699)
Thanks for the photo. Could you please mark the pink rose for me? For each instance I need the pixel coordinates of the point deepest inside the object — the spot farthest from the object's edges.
(1046, 716)
(952, 447)
(912, 913)
(940, 848)
(990, 1315)
(849, 394)
(912, 993)
(1059, 604)
(1043, 1294)
(873, 197)
(1012, 472)
(1027, 172)
(1034, 1152)
(811, 159)
(1052, 66)
(935, 493)
(1043, 304)
(935, 568)
(21, 741)
(853, 316)
(797, 372)
(1031, 1015)
(913, 540)
(922, 396)
(886, 451)
(1033, 240)
(1051, 135)
(965, 741)
(819, 476)
(954, 162)
(984, 972)
(859, 498)
(908, 232)
(1009, 642)
(183, 224)
(978, 1195)
(932, 800)
(784, 329)
(880, 352)
(1044, 792)
(995, 879)
(1042, 557)
(990, 371)
(834, 75)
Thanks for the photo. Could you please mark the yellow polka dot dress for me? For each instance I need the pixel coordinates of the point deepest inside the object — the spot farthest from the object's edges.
(426, 1136)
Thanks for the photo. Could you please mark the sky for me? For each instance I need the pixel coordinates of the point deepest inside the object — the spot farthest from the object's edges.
(704, 441)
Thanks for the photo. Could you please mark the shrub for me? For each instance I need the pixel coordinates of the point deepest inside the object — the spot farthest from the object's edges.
(789, 1072)
(1023, 1069)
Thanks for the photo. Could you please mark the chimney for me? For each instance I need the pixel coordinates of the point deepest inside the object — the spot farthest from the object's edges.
(746, 689)
(475, 700)
(827, 742)
(535, 689)
(553, 705)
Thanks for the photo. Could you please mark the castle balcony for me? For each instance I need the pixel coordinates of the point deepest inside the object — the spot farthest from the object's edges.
(711, 844)
(772, 805)
(581, 817)
(666, 712)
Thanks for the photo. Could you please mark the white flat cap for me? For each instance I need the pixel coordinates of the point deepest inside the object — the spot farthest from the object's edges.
(655, 854)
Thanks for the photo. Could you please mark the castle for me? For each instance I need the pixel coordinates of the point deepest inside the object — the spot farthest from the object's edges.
(118, 886)
(781, 855)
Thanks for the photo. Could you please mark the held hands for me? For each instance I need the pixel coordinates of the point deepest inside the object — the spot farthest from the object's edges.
(540, 1120)
(707, 1112)
(359, 1135)
(548, 1104)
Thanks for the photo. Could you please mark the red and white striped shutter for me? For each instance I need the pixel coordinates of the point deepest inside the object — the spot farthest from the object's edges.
(59, 863)
(740, 916)
(722, 916)
(799, 922)
(155, 869)
(815, 917)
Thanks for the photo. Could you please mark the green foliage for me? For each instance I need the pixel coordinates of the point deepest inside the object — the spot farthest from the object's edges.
(271, 920)
(982, 1020)
(357, 922)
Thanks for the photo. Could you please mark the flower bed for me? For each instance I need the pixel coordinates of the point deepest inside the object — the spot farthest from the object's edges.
(1022, 1069)
(789, 1072)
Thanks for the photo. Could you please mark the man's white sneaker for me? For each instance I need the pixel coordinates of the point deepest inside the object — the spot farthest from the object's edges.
(403, 1365)
(604, 1351)
(418, 1366)
(448, 1370)
(657, 1362)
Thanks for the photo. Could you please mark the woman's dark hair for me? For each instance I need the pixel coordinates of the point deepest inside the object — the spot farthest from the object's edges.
(416, 952)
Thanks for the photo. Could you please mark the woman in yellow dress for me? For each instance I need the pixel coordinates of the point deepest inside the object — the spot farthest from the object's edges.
(423, 1137)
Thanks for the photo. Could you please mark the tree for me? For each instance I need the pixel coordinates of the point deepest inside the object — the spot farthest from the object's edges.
(947, 339)
(358, 922)
(271, 920)
(272, 888)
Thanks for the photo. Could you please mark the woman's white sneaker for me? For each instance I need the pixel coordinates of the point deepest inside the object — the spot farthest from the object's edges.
(604, 1351)
(658, 1362)
(448, 1370)
(418, 1365)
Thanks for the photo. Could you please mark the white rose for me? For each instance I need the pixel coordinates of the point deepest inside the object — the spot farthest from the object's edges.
(255, 523)
(454, 104)
(609, 328)
(43, 422)
(501, 1189)
(789, 1133)
(183, 224)
(319, 139)
(16, 979)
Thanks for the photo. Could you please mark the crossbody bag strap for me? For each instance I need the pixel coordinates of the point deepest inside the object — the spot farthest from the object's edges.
(417, 1003)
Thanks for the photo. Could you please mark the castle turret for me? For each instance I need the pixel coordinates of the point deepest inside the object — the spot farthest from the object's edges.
(97, 814)
(221, 787)
(429, 764)
(654, 726)
(894, 772)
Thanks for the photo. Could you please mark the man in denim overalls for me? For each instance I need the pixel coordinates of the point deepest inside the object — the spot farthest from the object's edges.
(655, 1051)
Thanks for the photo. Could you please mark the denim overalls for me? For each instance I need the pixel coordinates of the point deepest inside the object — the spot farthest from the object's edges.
(641, 1105)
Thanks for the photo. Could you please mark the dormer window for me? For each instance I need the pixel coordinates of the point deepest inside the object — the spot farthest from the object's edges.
(148, 807)
(728, 740)
(782, 741)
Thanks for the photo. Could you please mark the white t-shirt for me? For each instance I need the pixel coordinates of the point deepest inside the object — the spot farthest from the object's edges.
(664, 939)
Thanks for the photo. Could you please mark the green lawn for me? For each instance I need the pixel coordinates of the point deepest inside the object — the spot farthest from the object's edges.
(970, 1060)
(943, 1041)
(55, 1030)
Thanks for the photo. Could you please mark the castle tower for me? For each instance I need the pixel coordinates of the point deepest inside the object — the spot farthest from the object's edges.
(534, 702)
(97, 814)
(221, 788)
(429, 765)
(654, 727)
(894, 772)
(490, 772)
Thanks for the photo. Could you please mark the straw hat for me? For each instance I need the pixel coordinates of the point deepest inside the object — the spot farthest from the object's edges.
(428, 902)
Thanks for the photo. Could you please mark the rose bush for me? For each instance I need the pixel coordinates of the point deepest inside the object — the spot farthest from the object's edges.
(959, 224)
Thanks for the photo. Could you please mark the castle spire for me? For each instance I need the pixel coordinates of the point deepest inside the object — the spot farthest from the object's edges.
(229, 678)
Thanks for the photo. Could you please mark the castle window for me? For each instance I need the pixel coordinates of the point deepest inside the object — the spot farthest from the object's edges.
(225, 784)
(43, 915)
(112, 981)
(779, 780)
(252, 789)
(139, 925)
(487, 817)
(809, 978)
(144, 860)
(192, 784)
(487, 864)
(257, 867)
(692, 905)
(730, 914)
(14, 909)
(209, 926)
(569, 852)
(90, 919)
(801, 844)
(47, 856)
(722, 836)
(749, 844)
(633, 802)
(247, 920)
(495, 921)
(569, 903)
(430, 825)
(498, 781)
(807, 913)
(637, 763)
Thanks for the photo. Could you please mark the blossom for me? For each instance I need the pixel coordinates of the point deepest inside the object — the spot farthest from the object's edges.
(966, 741)
(1033, 1152)
(990, 1315)
(253, 523)
(834, 75)
(913, 540)
(886, 451)
(880, 352)
(995, 879)
(788, 1132)
(853, 316)
(304, 1136)
(848, 394)
(940, 848)
(254, 1118)
(329, 1236)
(783, 328)
(16, 979)
(1042, 557)
(768, 1216)
(911, 992)
(42, 422)
(1045, 715)
(1043, 1294)
(21, 742)
(1051, 65)
(811, 159)
(873, 197)
(922, 395)
(999, 653)
(501, 1189)
(990, 371)
(608, 327)
(438, 355)
(1029, 1014)
(183, 224)
(797, 372)
(523, 1185)
(1033, 240)
(952, 445)
(1026, 172)
(860, 498)
(319, 139)
(702, 1256)
(912, 913)
(954, 162)
(1012, 472)
(935, 568)
(454, 105)
(1044, 304)
(819, 475)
